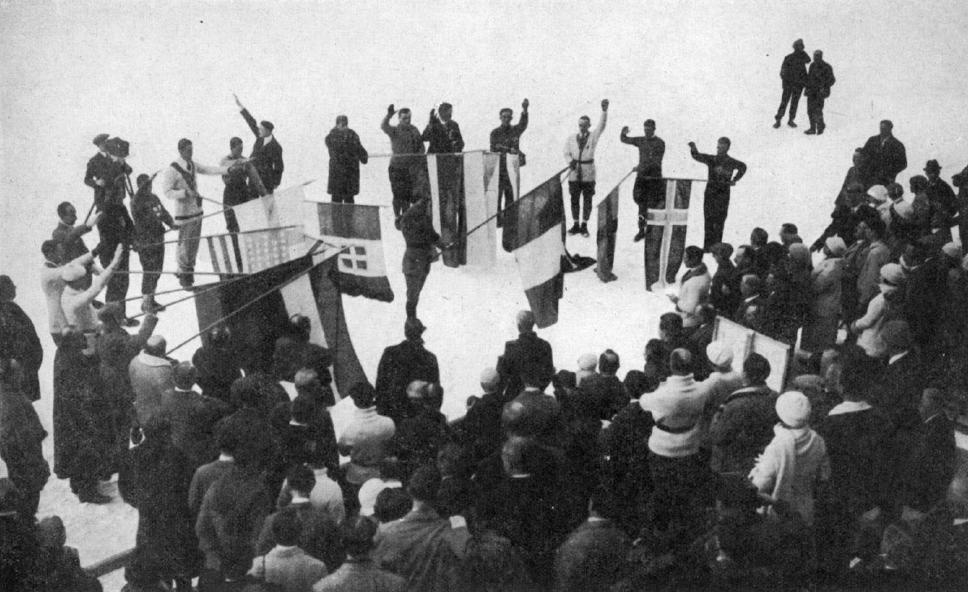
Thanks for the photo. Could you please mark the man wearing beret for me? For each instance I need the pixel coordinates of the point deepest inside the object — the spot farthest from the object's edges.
(96, 174)
(266, 153)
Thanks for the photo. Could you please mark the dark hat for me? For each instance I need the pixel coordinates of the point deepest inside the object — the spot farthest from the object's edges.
(424, 484)
(183, 143)
(932, 166)
(117, 147)
(100, 139)
(414, 327)
(268, 125)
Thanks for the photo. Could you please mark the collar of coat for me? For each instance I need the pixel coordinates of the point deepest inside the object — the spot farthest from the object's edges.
(694, 272)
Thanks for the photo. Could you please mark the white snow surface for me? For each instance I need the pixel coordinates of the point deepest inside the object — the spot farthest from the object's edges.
(153, 73)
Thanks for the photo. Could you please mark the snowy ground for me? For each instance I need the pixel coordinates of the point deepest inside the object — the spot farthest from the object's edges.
(153, 74)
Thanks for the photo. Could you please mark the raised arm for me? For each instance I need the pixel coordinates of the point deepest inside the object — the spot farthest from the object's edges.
(523, 120)
(385, 124)
(706, 159)
(100, 280)
(247, 117)
(603, 119)
(624, 138)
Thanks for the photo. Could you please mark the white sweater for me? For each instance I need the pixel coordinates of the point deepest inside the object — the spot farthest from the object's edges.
(586, 154)
(678, 405)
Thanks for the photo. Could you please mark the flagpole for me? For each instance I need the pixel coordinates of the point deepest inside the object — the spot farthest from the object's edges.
(206, 236)
(617, 185)
(506, 208)
(142, 272)
(426, 154)
(230, 208)
(675, 179)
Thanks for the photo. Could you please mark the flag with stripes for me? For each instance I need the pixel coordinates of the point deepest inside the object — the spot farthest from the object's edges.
(361, 267)
(605, 237)
(258, 307)
(665, 233)
(255, 250)
(535, 226)
(445, 173)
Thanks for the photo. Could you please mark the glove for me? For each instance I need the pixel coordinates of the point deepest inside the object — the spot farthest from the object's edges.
(391, 110)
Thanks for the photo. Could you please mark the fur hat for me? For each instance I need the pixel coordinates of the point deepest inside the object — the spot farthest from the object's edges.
(793, 409)
(719, 354)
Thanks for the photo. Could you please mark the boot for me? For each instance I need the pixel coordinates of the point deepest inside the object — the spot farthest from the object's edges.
(820, 129)
(640, 235)
(584, 229)
(810, 131)
(776, 125)
(150, 305)
(575, 228)
(790, 123)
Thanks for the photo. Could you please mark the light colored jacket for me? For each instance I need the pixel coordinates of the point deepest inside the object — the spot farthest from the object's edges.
(586, 155)
(677, 405)
(290, 567)
(791, 467)
(150, 377)
(693, 293)
(878, 254)
(175, 187)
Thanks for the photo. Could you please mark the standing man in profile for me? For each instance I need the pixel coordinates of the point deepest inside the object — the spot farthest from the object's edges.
(442, 132)
(180, 185)
(580, 155)
(884, 155)
(407, 160)
(235, 193)
(505, 139)
(648, 189)
(116, 226)
(346, 154)
(819, 80)
(793, 74)
(266, 153)
(95, 176)
(715, 206)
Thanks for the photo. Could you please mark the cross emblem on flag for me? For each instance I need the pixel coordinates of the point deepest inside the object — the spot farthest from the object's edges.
(354, 259)
(665, 240)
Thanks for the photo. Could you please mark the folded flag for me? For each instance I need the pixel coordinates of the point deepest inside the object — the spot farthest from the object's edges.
(446, 180)
(258, 249)
(665, 233)
(258, 307)
(605, 237)
(361, 267)
(535, 228)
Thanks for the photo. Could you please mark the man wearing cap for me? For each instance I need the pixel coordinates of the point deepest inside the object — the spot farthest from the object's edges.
(722, 168)
(580, 156)
(407, 163)
(940, 193)
(96, 174)
(150, 219)
(819, 80)
(116, 226)
(71, 235)
(793, 74)
(400, 365)
(505, 139)
(884, 156)
(179, 184)
(648, 190)
(266, 153)
(346, 154)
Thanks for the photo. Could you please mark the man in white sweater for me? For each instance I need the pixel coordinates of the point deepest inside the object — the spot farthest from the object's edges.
(580, 156)
(693, 288)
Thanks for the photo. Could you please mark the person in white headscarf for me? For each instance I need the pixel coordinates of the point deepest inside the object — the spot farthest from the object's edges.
(795, 462)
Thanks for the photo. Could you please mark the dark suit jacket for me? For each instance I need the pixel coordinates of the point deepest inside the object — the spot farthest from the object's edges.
(932, 464)
(593, 557)
(528, 355)
(345, 155)
(819, 79)
(97, 168)
(192, 417)
(884, 162)
(400, 365)
(267, 158)
(900, 389)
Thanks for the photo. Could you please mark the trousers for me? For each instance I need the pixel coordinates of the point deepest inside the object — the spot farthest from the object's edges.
(416, 268)
(791, 94)
(815, 112)
(151, 259)
(189, 232)
(715, 207)
(581, 196)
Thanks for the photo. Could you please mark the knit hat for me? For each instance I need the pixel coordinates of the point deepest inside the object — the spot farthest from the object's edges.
(878, 193)
(719, 354)
(904, 210)
(952, 250)
(836, 245)
(793, 409)
(892, 274)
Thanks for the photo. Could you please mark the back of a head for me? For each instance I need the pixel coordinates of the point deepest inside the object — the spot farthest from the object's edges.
(722, 250)
(156, 346)
(363, 395)
(525, 321)
(184, 375)
(286, 527)
(671, 324)
(759, 237)
(707, 313)
(519, 455)
(245, 391)
(490, 380)
(608, 362)
(680, 362)
(756, 369)
(303, 409)
(306, 380)
(424, 484)
(301, 479)
(434, 398)
(356, 535)
(392, 504)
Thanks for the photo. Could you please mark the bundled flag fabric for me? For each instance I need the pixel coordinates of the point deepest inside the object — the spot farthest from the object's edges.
(446, 178)
(605, 237)
(361, 267)
(257, 249)
(258, 307)
(535, 227)
(665, 234)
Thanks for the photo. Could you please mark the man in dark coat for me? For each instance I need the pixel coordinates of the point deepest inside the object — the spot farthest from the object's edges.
(793, 73)
(505, 139)
(845, 217)
(604, 390)
(819, 80)
(884, 155)
(192, 417)
(901, 383)
(933, 459)
(422, 242)
(21, 437)
(266, 153)
(743, 425)
(480, 430)
(346, 153)
(18, 339)
(116, 226)
(217, 364)
(594, 556)
(150, 219)
(649, 188)
(407, 163)
(400, 365)
(939, 193)
(71, 235)
(96, 174)
(528, 355)
(442, 133)
(924, 294)
(724, 290)
(721, 167)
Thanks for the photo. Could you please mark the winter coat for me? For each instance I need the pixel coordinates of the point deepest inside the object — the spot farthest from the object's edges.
(884, 159)
(319, 535)
(19, 340)
(21, 439)
(346, 153)
(192, 418)
(400, 365)
(528, 355)
(289, 567)
(820, 330)
(150, 377)
(741, 428)
(231, 517)
(421, 548)
(820, 78)
(593, 557)
(791, 467)
(794, 68)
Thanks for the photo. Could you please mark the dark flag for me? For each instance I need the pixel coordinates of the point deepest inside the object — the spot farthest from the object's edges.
(607, 227)
(665, 234)
(535, 228)
(361, 267)
(302, 286)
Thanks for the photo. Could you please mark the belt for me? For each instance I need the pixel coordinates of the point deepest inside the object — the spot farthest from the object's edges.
(586, 161)
(196, 215)
(670, 430)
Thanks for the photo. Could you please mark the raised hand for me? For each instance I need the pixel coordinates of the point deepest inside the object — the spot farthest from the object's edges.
(604, 104)
(524, 104)
(237, 101)
(625, 130)
(391, 110)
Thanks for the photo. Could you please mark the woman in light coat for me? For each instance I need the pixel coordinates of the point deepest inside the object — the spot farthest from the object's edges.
(820, 330)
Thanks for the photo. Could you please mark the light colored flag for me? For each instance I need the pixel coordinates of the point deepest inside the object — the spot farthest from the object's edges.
(361, 264)
(258, 249)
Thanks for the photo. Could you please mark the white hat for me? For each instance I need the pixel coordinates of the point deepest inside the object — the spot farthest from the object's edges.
(952, 250)
(878, 193)
(793, 409)
(719, 354)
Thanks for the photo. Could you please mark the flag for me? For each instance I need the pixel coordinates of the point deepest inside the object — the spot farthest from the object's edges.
(446, 179)
(257, 249)
(605, 237)
(665, 233)
(535, 227)
(257, 308)
(361, 266)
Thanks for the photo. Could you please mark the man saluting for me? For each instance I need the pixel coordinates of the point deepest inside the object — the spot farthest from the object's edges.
(716, 198)
(266, 153)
